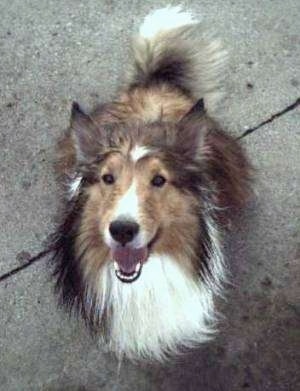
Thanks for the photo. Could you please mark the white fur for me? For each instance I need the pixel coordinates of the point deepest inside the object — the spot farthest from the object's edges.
(218, 272)
(139, 152)
(74, 186)
(128, 208)
(155, 315)
(163, 19)
(128, 205)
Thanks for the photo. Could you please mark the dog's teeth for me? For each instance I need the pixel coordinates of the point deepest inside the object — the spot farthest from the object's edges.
(116, 266)
(138, 267)
(124, 277)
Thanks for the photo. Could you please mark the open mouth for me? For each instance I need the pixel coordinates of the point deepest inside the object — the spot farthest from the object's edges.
(128, 262)
(128, 277)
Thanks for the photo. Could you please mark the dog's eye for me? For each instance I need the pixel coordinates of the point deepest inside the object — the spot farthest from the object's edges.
(108, 179)
(158, 181)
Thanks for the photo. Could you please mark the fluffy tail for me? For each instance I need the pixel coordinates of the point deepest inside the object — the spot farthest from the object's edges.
(168, 49)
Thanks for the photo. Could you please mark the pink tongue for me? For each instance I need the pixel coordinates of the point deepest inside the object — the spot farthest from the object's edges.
(127, 258)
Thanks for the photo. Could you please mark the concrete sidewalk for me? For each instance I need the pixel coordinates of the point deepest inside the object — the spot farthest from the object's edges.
(53, 52)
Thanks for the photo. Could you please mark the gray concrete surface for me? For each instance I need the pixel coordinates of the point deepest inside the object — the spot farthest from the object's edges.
(52, 52)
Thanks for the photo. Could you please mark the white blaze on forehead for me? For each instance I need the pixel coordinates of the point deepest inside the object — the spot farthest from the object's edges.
(138, 152)
(128, 204)
(165, 19)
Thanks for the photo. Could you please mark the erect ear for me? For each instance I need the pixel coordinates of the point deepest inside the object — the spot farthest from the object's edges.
(87, 136)
(191, 130)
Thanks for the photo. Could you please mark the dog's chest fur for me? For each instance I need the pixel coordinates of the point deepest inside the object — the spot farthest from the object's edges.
(164, 309)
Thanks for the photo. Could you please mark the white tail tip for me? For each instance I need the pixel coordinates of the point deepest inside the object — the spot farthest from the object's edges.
(164, 19)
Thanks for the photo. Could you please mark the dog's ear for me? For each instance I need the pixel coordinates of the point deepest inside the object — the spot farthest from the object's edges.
(87, 136)
(191, 130)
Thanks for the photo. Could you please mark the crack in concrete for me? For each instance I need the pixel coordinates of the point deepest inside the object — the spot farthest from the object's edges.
(32, 260)
(43, 253)
(291, 107)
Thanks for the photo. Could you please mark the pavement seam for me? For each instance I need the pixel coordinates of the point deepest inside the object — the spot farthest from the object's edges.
(32, 260)
(290, 107)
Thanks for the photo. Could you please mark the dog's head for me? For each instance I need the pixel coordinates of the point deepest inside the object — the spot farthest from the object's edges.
(142, 187)
(145, 189)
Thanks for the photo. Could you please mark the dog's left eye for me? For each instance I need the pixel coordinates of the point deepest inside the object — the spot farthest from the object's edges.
(108, 179)
(158, 181)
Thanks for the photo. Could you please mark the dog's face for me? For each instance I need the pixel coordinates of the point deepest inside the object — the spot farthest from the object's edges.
(141, 196)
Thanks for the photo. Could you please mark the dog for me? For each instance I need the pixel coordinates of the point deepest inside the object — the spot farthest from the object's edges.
(152, 183)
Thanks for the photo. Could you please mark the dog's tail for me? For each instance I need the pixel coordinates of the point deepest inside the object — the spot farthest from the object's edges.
(170, 49)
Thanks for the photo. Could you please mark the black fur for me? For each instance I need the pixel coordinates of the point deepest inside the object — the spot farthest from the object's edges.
(171, 69)
(69, 284)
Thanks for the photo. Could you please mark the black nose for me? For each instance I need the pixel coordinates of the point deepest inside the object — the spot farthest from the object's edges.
(123, 231)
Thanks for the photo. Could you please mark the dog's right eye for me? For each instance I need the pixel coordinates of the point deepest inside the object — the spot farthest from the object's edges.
(158, 181)
(108, 179)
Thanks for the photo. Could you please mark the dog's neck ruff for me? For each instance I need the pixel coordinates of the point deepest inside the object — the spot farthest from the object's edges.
(162, 311)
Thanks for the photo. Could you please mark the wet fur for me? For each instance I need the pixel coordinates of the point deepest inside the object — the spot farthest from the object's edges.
(208, 176)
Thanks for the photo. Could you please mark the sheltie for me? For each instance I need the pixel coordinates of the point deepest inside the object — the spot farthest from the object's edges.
(152, 182)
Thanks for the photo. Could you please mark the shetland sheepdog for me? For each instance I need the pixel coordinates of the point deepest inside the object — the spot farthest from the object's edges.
(153, 181)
